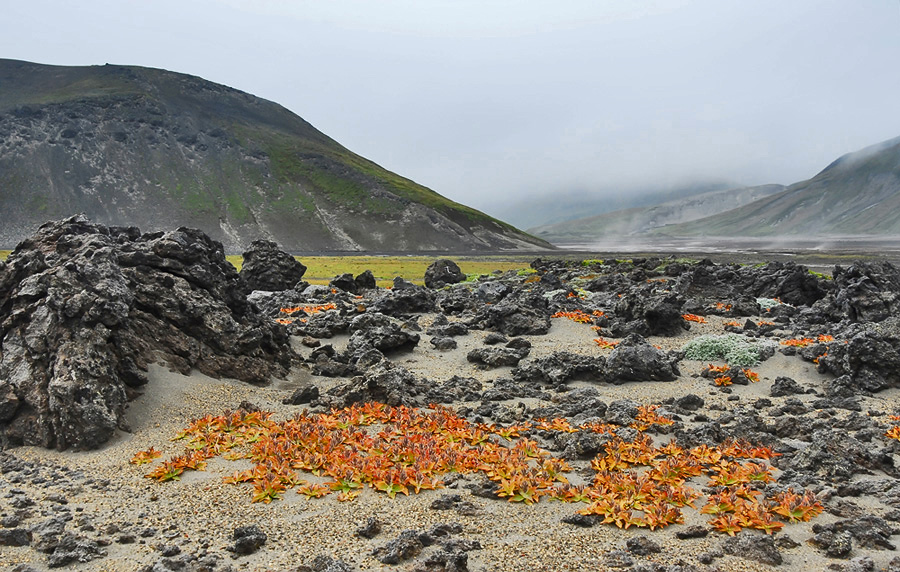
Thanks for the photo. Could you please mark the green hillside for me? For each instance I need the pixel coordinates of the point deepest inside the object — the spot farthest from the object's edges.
(128, 145)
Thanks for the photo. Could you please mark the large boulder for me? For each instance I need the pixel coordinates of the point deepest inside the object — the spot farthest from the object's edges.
(871, 356)
(514, 317)
(383, 382)
(560, 367)
(836, 456)
(374, 330)
(490, 357)
(403, 299)
(867, 291)
(267, 267)
(85, 308)
(656, 315)
(790, 282)
(732, 284)
(636, 360)
(443, 272)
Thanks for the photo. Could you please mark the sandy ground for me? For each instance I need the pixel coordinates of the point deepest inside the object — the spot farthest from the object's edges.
(199, 512)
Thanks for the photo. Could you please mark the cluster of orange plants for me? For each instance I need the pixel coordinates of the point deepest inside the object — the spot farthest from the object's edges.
(725, 380)
(314, 309)
(605, 344)
(894, 432)
(579, 316)
(733, 324)
(406, 450)
(307, 310)
(694, 318)
(803, 342)
(660, 491)
(722, 306)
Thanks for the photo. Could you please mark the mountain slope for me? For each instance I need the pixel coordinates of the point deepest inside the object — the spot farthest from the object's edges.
(638, 221)
(151, 148)
(858, 194)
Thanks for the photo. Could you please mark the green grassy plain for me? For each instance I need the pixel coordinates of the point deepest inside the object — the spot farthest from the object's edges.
(321, 269)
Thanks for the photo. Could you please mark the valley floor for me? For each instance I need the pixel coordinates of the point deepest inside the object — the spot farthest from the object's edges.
(140, 521)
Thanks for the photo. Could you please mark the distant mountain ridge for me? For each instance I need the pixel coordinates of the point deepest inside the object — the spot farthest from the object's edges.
(858, 194)
(642, 220)
(134, 146)
(561, 206)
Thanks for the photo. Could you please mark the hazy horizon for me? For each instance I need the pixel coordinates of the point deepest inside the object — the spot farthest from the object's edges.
(490, 102)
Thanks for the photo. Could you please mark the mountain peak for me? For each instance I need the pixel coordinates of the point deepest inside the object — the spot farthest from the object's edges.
(136, 146)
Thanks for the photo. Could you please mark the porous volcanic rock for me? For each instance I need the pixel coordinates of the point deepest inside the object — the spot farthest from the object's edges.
(518, 314)
(345, 282)
(868, 531)
(871, 356)
(491, 356)
(365, 280)
(658, 315)
(267, 267)
(84, 309)
(837, 456)
(790, 282)
(403, 299)
(374, 330)
(636, 360)
(867, 291)
(443, 272)
(247, 539)
(754, 547)
(560, 367)
(383, 382)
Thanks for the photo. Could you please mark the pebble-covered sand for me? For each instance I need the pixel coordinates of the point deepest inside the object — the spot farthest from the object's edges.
(137, 521)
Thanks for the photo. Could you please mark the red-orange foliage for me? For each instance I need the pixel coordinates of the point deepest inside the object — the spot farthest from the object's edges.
(406, 450)
(575, 316)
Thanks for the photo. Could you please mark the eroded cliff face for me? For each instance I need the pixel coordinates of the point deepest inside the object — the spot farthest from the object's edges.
(155, 149)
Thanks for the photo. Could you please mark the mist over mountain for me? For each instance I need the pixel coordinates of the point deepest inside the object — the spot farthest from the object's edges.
(858, 194)
(555, 207)
(641, 220)
(134, 146)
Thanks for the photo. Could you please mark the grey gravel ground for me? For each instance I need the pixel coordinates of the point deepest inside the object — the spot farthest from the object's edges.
(137, 521)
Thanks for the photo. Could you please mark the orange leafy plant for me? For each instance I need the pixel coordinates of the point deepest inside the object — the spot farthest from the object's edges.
(144, 457)
(575, 316)
(605, 344)
(798, 342)
(406, 450)
(722, 380)
(894, 432)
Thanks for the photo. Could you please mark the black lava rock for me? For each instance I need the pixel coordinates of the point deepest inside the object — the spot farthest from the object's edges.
(248, 539)
(442, 272)
(266, 267)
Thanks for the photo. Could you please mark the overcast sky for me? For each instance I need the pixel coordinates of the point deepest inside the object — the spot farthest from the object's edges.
(486, 99)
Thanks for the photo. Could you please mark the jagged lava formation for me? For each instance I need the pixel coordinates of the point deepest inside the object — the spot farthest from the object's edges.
(85, 308)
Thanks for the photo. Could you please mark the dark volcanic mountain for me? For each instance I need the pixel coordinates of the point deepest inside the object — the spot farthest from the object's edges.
(155, 149)
(859, 194)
